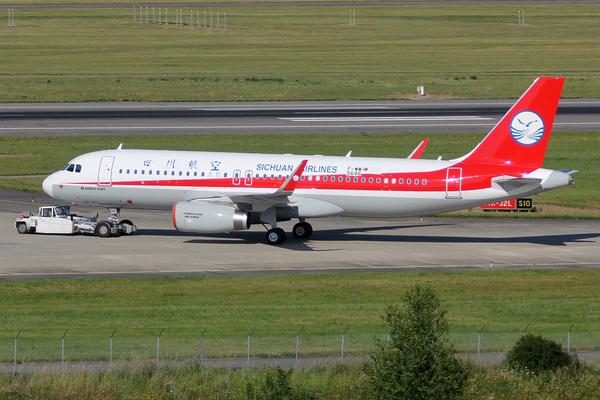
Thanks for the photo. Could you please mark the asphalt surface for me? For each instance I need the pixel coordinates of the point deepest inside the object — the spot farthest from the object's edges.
(425, 116)
(338, 245)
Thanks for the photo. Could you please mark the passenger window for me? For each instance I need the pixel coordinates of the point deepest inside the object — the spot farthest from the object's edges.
(225, 174)
(416, 181)
(324, 179)
(195, 174)
(172, 173)
(408, 181)
(370, 180)
(302, 178)
(120, 171)
(363, 180)
(149, 172)
(385, 180)
(393, 180)
(347, 179)
(401, 181)
(157, 172)
(180, 173)
(187, 173)
(378, 180)
(78, 168)
(127, 172)
(355, 179)
(203, 174)
(143, 171)
(135, 171)
(424, 181)
(310, 178)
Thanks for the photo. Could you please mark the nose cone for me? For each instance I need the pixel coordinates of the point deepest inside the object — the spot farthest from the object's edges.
(47, 185)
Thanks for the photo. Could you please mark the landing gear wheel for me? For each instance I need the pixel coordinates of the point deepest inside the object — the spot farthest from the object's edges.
(302, 230)
(103, 229)
(22, 228)
(127, 222)
(275, 236)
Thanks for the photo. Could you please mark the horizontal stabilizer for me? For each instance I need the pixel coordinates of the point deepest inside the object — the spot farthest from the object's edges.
(510, 183)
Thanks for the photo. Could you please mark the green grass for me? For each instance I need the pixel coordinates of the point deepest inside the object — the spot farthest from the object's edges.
(474, 51)
(566, 150)
(336, 381)
(230, 307)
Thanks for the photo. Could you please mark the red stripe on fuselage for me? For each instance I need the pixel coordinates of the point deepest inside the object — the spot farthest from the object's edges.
(474, 177)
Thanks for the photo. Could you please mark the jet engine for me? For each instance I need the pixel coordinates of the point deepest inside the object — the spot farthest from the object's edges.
(208, 217)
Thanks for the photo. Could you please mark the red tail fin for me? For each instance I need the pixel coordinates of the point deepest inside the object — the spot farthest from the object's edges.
(521, 136)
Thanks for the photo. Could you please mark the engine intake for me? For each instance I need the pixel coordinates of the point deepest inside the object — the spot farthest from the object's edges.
(208, 218)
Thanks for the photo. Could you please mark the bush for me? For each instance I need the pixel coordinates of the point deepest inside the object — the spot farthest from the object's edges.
(276, 385)
(537, 354)
(419, 361)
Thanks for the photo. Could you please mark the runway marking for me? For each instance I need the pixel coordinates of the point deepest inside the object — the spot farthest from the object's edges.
(87, 128)
(282, 107)
(377, 119)
(469, 123)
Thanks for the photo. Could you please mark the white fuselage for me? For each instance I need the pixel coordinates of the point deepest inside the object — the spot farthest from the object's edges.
(356, 186)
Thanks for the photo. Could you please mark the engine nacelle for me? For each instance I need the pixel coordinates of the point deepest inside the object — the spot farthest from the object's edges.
(208, 218)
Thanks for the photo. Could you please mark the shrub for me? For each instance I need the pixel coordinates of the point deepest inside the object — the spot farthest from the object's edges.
(537, 354)
(276, 385)
(419, 361)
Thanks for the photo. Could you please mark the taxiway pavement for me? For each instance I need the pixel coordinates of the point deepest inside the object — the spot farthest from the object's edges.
(338, 245)
(424, 116)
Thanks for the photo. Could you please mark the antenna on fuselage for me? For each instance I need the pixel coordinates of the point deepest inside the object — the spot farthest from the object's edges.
(120, 146)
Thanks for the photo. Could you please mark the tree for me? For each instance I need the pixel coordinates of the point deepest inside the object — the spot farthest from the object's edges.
(537, 354)
(419, 361)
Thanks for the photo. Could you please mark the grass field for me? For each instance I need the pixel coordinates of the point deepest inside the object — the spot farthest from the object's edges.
(575, 150)
(301, 53)
(230, 307)
(331, 382)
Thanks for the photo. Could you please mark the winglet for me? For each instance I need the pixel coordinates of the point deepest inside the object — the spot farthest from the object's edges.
(291, 182)
(418, 150)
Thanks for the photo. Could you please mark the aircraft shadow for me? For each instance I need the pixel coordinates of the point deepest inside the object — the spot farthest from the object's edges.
(366, 235)
(255, 237)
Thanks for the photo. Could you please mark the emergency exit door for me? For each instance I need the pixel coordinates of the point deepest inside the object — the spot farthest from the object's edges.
(453, 183)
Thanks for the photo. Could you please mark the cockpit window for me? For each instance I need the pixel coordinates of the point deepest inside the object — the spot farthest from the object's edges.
(78, 168)
(65, 167)
(71, 167)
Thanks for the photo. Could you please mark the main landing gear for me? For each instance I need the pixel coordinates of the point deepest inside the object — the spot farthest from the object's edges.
(302, 230)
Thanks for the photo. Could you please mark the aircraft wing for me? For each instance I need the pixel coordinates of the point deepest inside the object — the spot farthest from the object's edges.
(262, 201)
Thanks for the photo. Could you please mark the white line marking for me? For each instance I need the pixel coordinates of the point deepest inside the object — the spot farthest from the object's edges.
(129, 128)
(321, 108)
(377, 119)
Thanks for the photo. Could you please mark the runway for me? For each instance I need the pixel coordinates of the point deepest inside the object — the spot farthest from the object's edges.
(423, 116)
(338, 245)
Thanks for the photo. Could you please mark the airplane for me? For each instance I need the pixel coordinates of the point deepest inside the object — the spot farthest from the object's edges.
(211, 192)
